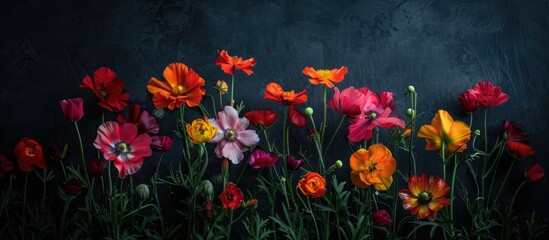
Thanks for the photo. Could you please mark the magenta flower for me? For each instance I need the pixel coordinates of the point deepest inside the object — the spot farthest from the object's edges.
(161, 143)
(376, 112)
(123, 146)
(232, 136)
(260, 158)
(73, 109)
(293, 163)
(347, 102)
(146, 123)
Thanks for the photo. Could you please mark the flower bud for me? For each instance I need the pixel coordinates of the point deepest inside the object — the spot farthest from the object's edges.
(308, 111)
(282, 179)
(477, 132)
(225, 167)
(95, 167)
(293, 163)
(411, 89)
(410, 112)
(251, 203)
(207, 209)
(221, 86)
(339, 164)
(142, 191)
(73, 187)
(207, 189)
(407, 133)
(381, 218)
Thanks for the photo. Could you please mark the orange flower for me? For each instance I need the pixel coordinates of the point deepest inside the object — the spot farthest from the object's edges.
(443, 129)
(374, 166)
(325, 76)
(273, 91)
(229, 63)
(425, 197)
(29, 155)
(312, 185)
(183, 86)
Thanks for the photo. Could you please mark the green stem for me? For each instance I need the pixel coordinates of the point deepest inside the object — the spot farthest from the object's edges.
(232, 91)
(310, 210)
(267, 139)
(323, 126)
(486, 156)
(220, 101)
(187, 150)
(456, 163)
(82, 153)
(318, 145)
(63, 168)
(516, 193)
(241, 172)
(443, 152)
(334, 135)
(284, 153)
(65, 209)
(44, 189)
(503, 183)
(25, 206)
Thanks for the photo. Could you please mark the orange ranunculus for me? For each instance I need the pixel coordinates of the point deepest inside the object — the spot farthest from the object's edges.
(29, 155)
(273, 91)
(324, 76)
(425, 196)
(374, 166)
(229, 63)
(183, 86)
(312, 185)
(443, 129)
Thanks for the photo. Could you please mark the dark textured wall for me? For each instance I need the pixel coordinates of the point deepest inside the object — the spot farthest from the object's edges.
(441, 47)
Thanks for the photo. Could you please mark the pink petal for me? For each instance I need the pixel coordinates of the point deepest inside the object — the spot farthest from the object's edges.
(140, 146)
(360, 130)
(107, 135)
(232, 151)
(128, 132)
(148, 123)
(128, 167)
(220, 134)
(242, 124)
(248, 138)
(228, 118)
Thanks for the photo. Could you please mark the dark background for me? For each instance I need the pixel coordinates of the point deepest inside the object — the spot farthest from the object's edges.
(441, 47)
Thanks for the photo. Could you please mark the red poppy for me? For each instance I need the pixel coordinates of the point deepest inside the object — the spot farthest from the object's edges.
(107, 88)
(161, 143)
(264, 117)
(232, 197)
(425, 196)
(29, 155)
(73, 109)
(296, 117)
(513, 132)
(73, 187)
(381, 218)
(535, 173)
(273, 91)
(518, 149)
(324, 76)
(95, 167)
(229, 63)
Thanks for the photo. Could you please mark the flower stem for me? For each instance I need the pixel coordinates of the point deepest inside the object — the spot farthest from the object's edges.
(284, 152)
(267, 139)
(486, 156)
(44, 189)
(503, 183)
(25, 206)
(232, 90)
(187, 150)
(334, 135)
(323, 125)
(318, 145)
(241, 173)
(515, 195)
(86, 181)
(456, 163)
(443, 152)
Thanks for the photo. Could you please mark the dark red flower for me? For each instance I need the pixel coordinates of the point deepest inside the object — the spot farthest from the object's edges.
(261, 118)
(293, 163)
(5, 166)
(296, 117)
(146, 123)
(535, 173)
(484, 94)
(468, 101)
(381, 218)
(232, 197)
(107, 88)
(207, 209)
(161, 143)
(518, 149)
(513, 132)
(73, 187)
(95, 167)
(73, 109)
(29, 155)
(260, 158)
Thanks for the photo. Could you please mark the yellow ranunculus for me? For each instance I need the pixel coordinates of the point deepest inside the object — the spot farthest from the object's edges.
(201, 131)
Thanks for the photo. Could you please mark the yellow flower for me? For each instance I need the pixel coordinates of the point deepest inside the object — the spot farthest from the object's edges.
(443, 129)
(374, 166)
(221, 86)
(201, 131)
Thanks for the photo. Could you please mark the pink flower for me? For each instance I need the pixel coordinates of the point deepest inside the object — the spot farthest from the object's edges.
(293, 163)
(347, 102)
(376, 112)
(260, 159)
(296, 117)
(535, 173)
(123, 146)
(161, 143)
(73, 109)
(232, 136)
(146, 123)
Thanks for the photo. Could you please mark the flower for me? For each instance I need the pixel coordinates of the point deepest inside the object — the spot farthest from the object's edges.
(425, 197)
(183, 86)
(73, 109)
(518, 149)
(260, 158)
(375, 112)
(161, 143)
(207, 209)
(5, 166)
(293, 163)
(201, 131)
(123, 146)
(107, 88)
(29, 155)
(374, 166)
(324, 76)
(512, 132)
(312, 185)
(261, 118)
(535, 173)
(142, 191)
(349, 102)
(221, 86)
(232, 136)
(232, 197)
(468, 101)
(381, 218)
(146, 123)
(95, 167)
(73, 187)
(273, 91)
(443, 129)
(229, 63)
(296, 118)
(484, 94)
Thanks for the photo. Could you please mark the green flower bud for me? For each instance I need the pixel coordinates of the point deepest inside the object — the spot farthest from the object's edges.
(477, 132)
(410, 112)
(207, 190)
(339, 164)
(142, 191)
(283, 179)
(411, 89)
(308, 111)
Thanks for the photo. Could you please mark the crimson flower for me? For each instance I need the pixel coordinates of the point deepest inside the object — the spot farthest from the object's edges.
(293, 163)
(513, 132)
(518, 149)
(296, 117)
(107, 88)
(535, 173)
(484, 94)
(123, 146)
(146, 123)
(468, 101)
(229, 63)
(260, 158)
(29, 155)
(161, 143)
(232, 197)
(95, 167)
(381, 218)
(73, 187)
(73, 109)
(261, 118)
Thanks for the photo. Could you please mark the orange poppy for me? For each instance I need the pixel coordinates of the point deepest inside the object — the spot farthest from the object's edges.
(183, 86)
(443, 129)
(29, 155)
(374, 166)
(229, 63)
(324, 76)
(273, 91)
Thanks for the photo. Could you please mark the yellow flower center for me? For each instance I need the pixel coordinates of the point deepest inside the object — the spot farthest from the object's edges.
(181, 90)
(230, 135)
(324, 75)
(103, 93)
(424, 197)
(29, 151)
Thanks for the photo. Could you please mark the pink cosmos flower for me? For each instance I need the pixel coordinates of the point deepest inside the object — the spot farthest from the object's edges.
(347, 102)
(376, 112)
(232, 136)
(260, 158)
(123, 146)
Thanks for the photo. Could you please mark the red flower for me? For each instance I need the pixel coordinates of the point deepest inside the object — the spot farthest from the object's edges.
(425, 196)
(29, 155)
(273, 91)
(232, 197)
(513, 132)
(161, 143)
(107, 88)
(484, 94)
(5, 166)
(518, 149)
(535, 173)
(296, 117)
(229, 63)
(95, 167)
(468, 101)
(381, 218)
(122, 145)
(261, 118)
(146, 123)
(347, 102)
(293, 163)
(260, 158)
(73, 109)
(73, 187)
